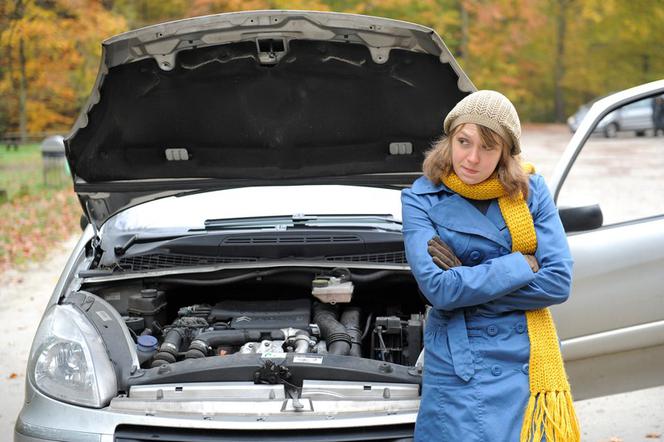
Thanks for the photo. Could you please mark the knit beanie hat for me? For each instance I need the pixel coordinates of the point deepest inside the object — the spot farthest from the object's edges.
(490, 109)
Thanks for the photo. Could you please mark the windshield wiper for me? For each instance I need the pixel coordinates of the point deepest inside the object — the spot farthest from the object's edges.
(120, 250)
(136, 239)
(284, 222)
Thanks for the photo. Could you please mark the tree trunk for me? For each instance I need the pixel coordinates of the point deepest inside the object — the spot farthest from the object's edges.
(22, 94)
(559, 68)
(464, 32)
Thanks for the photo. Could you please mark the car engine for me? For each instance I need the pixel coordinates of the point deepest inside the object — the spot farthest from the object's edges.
(166, 332)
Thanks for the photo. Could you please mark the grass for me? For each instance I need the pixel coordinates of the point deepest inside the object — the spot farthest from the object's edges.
(22, 173)
(33, 216)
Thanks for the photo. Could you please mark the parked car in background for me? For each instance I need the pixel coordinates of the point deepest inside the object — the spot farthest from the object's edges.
(573, 121)
(243, 274)
(636, 117)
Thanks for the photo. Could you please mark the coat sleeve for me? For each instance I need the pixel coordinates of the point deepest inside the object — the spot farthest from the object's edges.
(460, 286)
(551, 284)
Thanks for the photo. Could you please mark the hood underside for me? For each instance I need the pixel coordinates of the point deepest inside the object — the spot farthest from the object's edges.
(255, 98)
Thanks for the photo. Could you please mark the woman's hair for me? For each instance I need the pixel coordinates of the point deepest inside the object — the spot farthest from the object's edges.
(438, 161)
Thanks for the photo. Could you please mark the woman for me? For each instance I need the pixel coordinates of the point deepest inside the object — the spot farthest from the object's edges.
(487, 248)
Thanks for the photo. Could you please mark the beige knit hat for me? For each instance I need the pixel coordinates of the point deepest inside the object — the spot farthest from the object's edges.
(491, 109)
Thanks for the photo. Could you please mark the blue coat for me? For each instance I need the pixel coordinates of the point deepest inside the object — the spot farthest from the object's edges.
(475, 385)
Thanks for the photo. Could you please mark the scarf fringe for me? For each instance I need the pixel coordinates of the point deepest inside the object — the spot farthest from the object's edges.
(550, 414)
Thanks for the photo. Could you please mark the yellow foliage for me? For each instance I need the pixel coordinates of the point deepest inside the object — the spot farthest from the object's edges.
(43, 118)
(61, 43)
(510, 45)
(202, 7)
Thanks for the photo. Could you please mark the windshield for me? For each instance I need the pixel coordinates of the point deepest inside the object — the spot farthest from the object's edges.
(190, 212)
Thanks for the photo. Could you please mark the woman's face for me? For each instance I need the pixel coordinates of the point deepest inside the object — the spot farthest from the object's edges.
(473, 160)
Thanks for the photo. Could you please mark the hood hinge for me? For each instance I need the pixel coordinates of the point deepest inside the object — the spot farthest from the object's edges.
(95, 242)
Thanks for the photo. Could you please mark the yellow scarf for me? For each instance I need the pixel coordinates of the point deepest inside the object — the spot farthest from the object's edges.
(550, 411)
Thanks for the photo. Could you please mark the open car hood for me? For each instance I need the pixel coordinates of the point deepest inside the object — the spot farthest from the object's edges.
(256, 98)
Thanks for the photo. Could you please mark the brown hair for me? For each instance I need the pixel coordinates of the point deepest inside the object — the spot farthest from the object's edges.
(438, 161)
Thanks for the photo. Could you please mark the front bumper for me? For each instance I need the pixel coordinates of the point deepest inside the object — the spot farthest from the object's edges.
(45, 419)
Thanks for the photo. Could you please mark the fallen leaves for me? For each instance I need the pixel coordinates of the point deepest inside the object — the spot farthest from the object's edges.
(648, 436)
(31, 224)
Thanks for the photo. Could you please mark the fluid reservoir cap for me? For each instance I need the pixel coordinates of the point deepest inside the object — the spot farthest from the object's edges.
(149, 293)
(147, 343)
(135, 323)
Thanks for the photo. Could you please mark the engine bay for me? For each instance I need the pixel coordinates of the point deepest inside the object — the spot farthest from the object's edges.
(289, 314)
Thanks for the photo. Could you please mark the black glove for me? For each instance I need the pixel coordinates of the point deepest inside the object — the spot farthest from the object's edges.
(441, 254)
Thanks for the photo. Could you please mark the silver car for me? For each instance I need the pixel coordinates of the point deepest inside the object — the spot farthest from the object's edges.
(636, 117)
(242, 275)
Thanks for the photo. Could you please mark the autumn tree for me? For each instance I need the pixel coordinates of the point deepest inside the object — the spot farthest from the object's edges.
(50, 53)
(139, 13)
(202, 7)
(548, 56)
(613, 45)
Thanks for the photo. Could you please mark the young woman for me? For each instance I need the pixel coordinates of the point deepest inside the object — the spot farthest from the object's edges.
(487, 248)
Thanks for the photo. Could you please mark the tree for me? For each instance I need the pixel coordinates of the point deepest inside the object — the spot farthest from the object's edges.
(561, 8)
(548, 56)
(50, 56)
(616, 45)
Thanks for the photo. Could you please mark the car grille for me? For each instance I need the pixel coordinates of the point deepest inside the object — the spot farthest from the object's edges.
(391, 433)
(158, 261)
(381, 258)
(167, 261)
(283, 239)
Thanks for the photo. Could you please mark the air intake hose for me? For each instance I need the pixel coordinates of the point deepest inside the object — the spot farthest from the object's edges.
(169, 348)
(350, 319)
(338, 340)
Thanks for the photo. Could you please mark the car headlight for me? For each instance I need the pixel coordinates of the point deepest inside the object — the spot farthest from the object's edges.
(68, 360)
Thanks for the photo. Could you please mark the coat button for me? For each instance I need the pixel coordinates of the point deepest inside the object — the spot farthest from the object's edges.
(520, 327)
(492, 330)
(524, 368)
(496, 370)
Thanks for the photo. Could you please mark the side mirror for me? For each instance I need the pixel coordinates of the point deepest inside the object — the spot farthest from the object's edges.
(577, 219)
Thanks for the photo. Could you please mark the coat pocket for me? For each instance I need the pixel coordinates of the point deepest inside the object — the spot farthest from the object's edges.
(438, 366)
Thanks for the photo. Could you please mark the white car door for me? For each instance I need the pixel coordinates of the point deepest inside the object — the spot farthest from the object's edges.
(612, 326)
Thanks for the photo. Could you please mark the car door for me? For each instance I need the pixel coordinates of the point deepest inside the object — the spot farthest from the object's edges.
(612, 326)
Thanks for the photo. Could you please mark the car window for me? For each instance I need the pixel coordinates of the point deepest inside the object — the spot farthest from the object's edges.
(639, 104)
(623, 171)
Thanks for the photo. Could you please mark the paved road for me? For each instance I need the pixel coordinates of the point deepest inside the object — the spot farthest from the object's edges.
(637, 416)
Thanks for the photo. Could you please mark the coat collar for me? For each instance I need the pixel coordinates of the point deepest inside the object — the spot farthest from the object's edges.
(494, 215)
(456, 213)
(423, 185)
